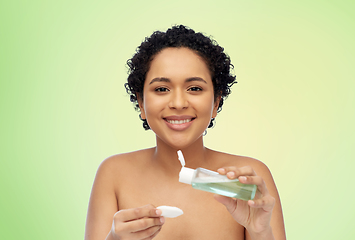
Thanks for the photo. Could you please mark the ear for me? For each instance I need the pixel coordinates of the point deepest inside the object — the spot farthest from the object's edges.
(141, 106)
(215, 107)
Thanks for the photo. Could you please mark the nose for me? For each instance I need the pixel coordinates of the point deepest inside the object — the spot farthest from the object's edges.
(178, 100)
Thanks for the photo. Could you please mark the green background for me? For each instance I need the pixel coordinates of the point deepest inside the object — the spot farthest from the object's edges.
(64, 108)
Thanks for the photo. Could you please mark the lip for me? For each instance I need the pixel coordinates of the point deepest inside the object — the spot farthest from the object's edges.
(179, 117)
(180, 126)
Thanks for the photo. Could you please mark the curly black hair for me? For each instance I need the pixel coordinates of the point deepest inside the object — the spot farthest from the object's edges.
(217, 61)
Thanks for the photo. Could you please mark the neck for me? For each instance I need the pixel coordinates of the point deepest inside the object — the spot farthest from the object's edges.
(166, 156)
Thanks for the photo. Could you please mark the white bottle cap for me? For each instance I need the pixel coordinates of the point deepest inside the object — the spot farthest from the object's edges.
(181, 158)
(186, 175)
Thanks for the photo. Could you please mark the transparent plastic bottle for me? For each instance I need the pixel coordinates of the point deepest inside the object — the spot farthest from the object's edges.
(210, 181)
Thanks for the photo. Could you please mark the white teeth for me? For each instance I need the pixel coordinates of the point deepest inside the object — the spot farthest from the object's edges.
(178, 121)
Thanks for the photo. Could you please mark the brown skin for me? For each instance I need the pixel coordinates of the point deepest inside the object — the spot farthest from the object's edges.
(128, 187)
(203, 218)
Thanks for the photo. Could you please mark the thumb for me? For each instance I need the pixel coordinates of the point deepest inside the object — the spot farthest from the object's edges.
(228, 202)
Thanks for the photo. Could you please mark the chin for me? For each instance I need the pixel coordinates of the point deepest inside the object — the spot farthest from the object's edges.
(181, 142)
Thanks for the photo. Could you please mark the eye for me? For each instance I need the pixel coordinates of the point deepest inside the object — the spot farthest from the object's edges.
(195, 89)
(161, 89)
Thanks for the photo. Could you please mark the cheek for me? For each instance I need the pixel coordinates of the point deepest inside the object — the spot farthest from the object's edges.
(153, 104)
(205, 106)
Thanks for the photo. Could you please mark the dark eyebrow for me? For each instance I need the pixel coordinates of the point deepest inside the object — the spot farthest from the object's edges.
(159, 80)
(195, 79)
(163, 79)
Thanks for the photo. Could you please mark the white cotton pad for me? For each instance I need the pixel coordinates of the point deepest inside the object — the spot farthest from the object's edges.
(170, 212)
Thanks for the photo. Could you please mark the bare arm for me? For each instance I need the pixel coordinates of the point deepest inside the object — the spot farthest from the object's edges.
(277, 222)
(102, 204)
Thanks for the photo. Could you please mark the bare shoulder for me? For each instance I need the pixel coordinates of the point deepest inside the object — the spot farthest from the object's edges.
(103, 202)
(113, 169)
(260, 169)
(226, 160)
(124, 161)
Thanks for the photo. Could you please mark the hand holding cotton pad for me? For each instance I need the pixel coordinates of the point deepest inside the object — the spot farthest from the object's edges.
(170, 212)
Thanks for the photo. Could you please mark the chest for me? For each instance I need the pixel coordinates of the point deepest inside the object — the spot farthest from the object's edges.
(203, 218)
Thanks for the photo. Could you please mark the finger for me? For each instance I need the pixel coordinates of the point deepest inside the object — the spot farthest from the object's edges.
(143, 224)
(228, 202)
(154, 235)
(267, 203)
(134, 226)
(234, 172)
(255, 180)
(127, 215)
(149, 233)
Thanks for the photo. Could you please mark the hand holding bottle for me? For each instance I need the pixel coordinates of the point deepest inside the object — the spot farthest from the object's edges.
(254, 215)
(138, 223)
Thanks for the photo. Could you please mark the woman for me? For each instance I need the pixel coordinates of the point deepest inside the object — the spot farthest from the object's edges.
(178, 81)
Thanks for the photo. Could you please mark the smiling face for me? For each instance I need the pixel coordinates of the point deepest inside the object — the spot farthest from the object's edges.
(178, 97)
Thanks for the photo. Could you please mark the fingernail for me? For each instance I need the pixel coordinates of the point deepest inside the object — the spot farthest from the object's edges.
(162, 220)
(158, 212)
(231, 174)
(221, 170)
(251, 202)
(243, 179)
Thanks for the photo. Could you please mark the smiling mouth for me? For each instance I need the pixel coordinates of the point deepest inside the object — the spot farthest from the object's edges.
(179, 121)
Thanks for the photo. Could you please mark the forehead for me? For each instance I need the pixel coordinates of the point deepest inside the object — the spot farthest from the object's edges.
(178, 63)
